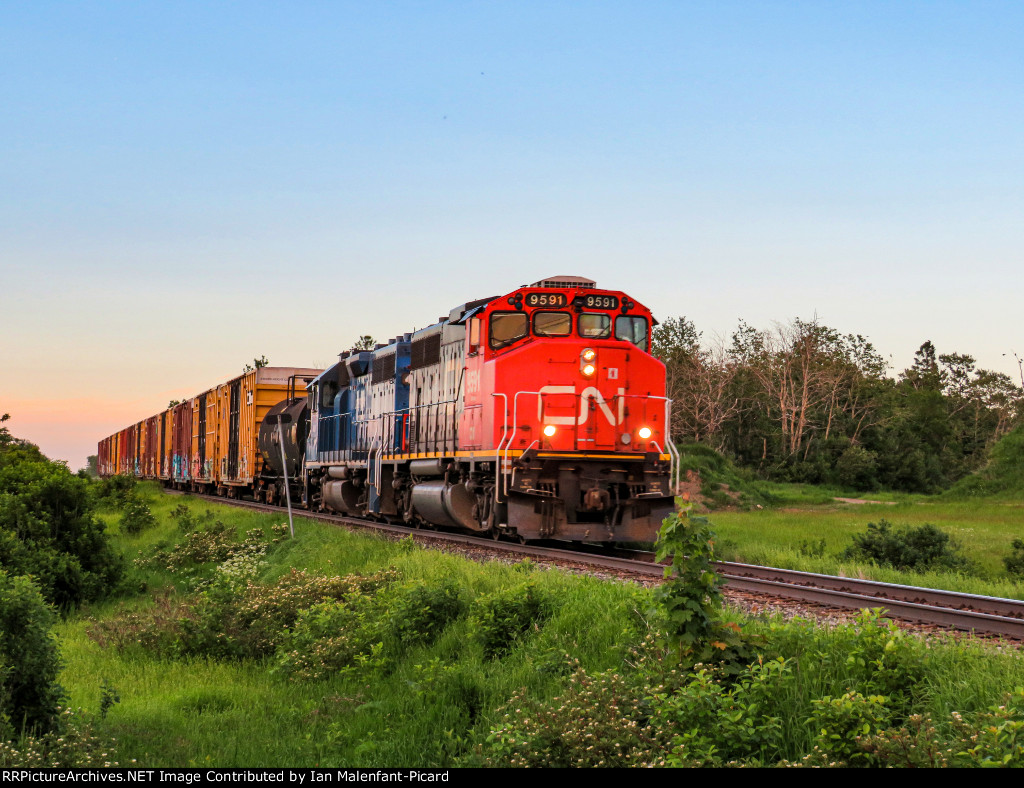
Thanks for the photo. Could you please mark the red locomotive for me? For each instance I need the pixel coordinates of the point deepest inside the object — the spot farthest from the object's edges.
(539, 414)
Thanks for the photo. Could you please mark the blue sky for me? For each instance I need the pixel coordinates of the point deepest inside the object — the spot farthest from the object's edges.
(185, 186)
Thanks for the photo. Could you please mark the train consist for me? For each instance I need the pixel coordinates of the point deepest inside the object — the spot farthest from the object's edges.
(540, 414)
(213, 442)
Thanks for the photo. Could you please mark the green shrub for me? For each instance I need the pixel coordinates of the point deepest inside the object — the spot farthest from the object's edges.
(48, 529)
(857, 468)
(842, 722)
(1000, 735)
(715, 718)
(74, 743)
(6, 728)
(882, 659)
(871, 654)
(690, 599)
(250, 622)
(417, 613)
(500, 619)
(366, 631)
(917, 745)
(1014, 562)
(215, 543)
(136, 516)
(812, 549)
(114, 491)
(156, 629)
(187, 521)
(29, 661)
(333, 637)
(990, 738)
(609, 719)
(918, 548)
(598, 720)
(232, 618)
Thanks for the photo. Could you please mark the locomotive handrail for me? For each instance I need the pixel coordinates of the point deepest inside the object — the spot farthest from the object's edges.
(672, 453)
(380, 465)
(497, 451)
(675, 461)
(371, 465)
(408, 411)
(578, 396)
(535, 442)
(515, 422)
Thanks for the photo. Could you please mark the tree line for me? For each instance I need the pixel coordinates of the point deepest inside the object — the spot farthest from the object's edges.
(803, 402)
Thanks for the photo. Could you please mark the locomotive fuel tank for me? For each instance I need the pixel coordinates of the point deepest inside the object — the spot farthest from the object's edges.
(347, 496)
(441, 503)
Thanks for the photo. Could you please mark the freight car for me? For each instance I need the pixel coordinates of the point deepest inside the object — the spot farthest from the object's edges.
(538, 414)
(209, 442)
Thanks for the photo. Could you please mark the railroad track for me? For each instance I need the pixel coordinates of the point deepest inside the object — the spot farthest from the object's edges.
(948, 609)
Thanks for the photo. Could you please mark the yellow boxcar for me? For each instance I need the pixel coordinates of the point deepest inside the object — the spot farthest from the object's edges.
(204, 437)
(242, 404)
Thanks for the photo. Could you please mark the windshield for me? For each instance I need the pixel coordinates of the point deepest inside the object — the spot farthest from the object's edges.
(552, 324)
(594, 325)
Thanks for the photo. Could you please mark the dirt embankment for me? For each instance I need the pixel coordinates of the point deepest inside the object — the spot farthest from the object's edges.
(690, 490)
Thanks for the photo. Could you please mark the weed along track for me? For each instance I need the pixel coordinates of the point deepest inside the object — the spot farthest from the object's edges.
(755, 587)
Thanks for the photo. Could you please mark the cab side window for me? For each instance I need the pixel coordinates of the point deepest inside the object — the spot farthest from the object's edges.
(632, 329)
(507, 327)
(328, 391)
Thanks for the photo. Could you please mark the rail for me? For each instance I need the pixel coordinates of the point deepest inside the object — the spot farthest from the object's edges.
(969, 612)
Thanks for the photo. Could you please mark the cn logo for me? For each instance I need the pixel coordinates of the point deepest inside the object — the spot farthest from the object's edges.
(588, 395)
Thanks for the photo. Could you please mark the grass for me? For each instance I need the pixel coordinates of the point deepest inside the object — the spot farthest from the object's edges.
(790, 537)
(1002, 477)
(805, 527)
(176, 712)
(436, 703)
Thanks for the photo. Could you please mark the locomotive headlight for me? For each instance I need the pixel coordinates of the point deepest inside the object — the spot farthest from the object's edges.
(588, 354)
(549, 430)
(589, 370)
(644, 432)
